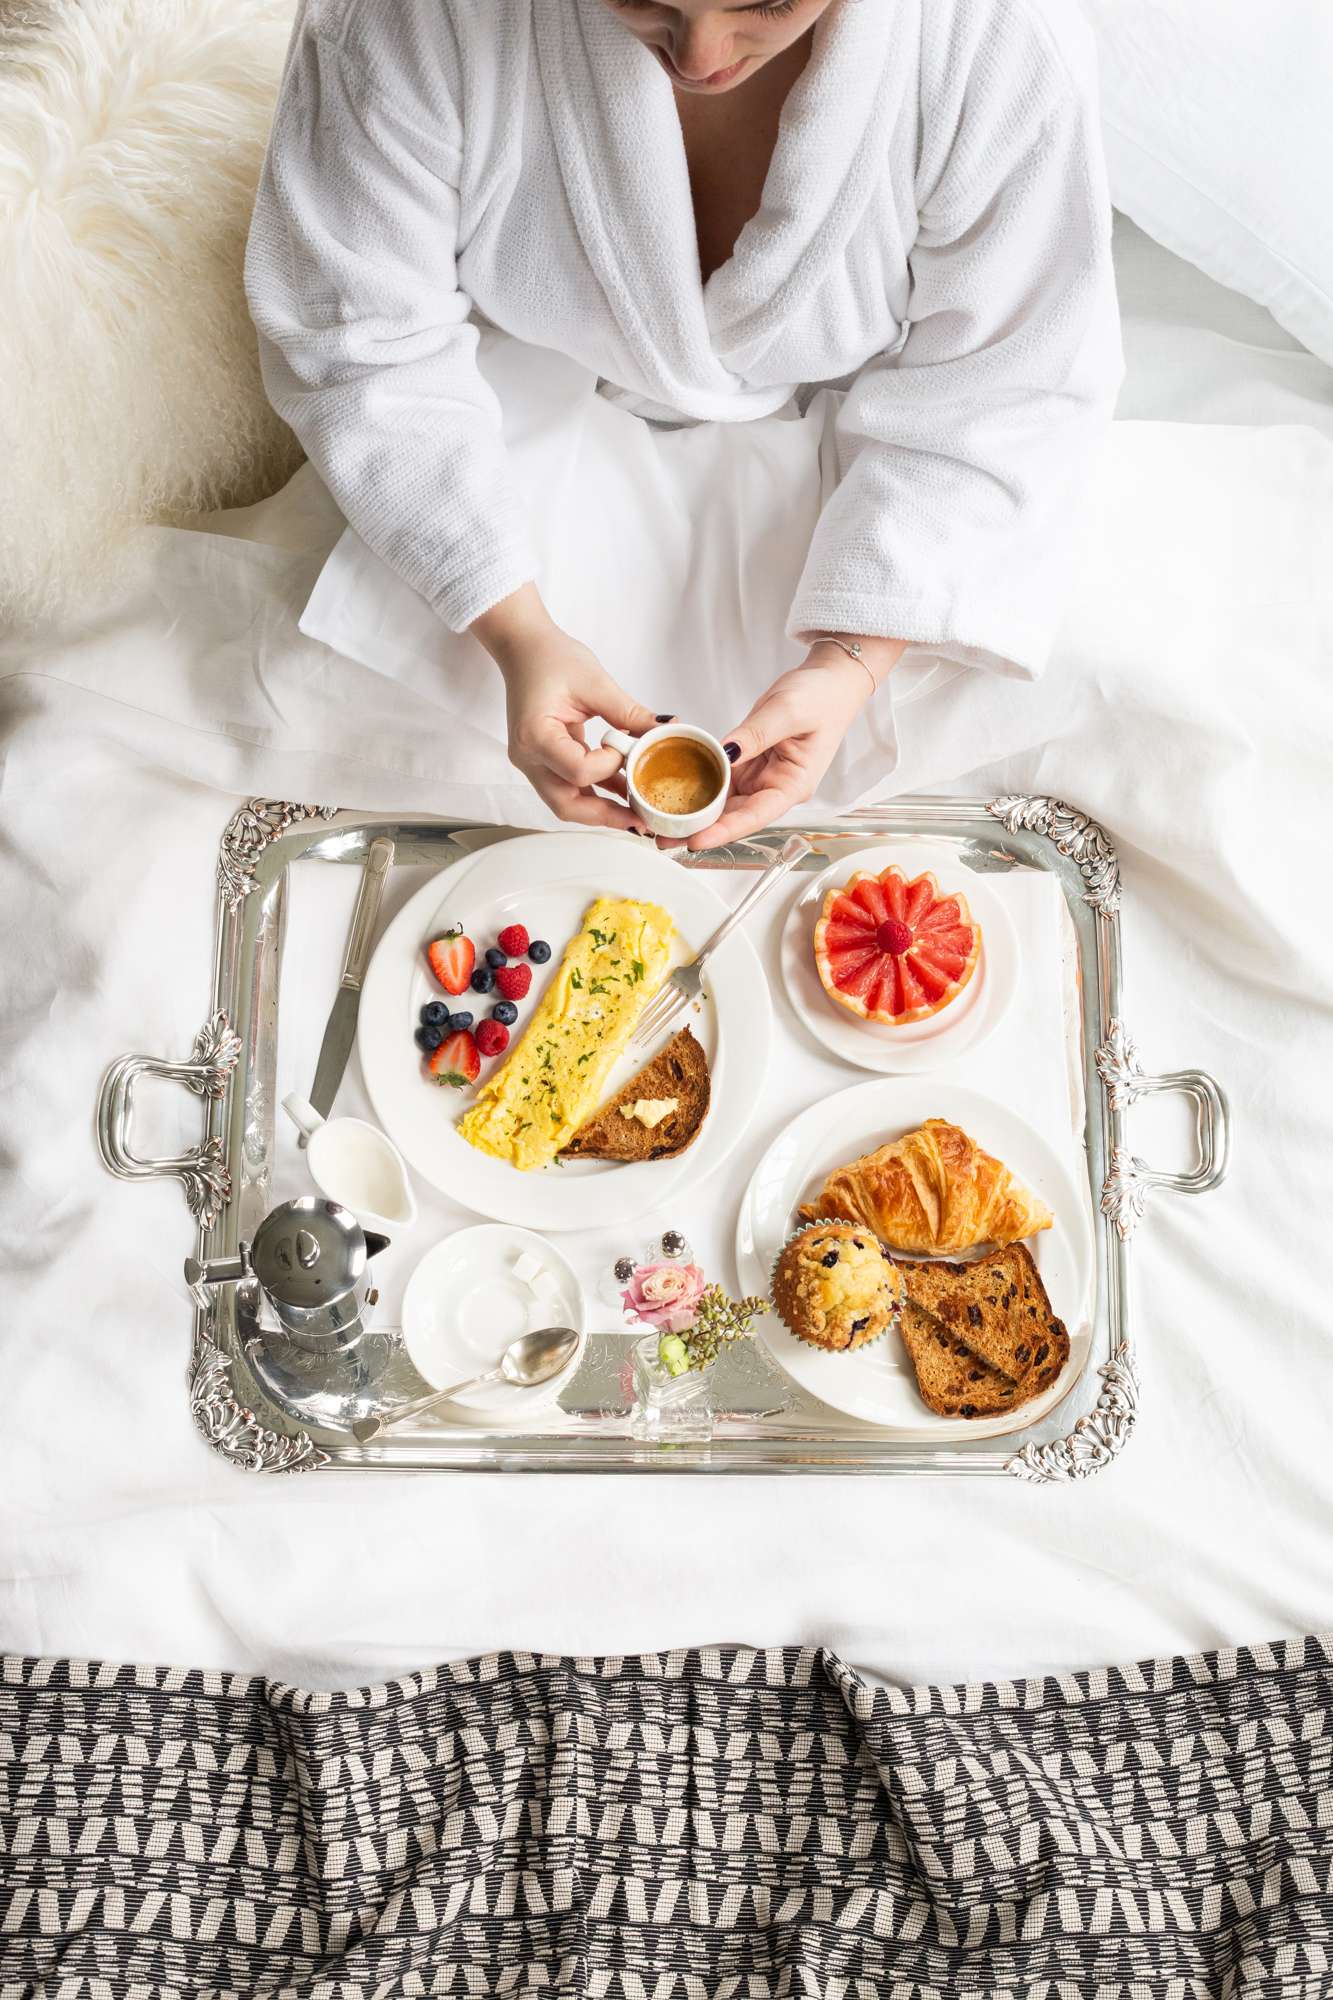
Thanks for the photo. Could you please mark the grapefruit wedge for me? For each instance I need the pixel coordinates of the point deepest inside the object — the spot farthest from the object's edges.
(895, 951)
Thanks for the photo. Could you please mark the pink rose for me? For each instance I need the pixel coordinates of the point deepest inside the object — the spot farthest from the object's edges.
(665, 1295)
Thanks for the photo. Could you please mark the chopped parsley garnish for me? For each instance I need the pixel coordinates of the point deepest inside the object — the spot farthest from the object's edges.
(637, 970)
(576, 977)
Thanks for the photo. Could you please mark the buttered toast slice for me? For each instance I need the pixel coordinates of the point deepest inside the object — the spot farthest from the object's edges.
(635, 1124)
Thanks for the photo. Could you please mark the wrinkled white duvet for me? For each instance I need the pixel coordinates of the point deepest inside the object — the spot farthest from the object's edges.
(1190, 710)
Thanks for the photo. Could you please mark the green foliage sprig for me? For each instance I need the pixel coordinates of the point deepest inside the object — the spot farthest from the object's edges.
(718, 1321)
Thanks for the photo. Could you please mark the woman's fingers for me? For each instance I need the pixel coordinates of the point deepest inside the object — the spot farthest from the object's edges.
(622, 711)
(766, 724)
(551, 741)
(578, 807)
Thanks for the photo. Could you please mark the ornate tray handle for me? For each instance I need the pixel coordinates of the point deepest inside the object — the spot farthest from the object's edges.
(1098, 1438)
(1129, 1181)
(202, 1171)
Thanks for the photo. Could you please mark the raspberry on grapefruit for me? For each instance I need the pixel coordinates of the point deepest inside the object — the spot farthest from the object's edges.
(895, 951)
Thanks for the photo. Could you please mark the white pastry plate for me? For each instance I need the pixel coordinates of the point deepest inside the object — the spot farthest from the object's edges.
(916, 1046)
(877, 1383)
(465, 1302)
(546, 882)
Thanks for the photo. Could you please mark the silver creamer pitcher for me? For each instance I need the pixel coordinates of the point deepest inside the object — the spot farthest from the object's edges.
(309, 1259)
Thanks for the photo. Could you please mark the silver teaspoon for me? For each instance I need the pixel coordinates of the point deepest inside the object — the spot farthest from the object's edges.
(532, 1358)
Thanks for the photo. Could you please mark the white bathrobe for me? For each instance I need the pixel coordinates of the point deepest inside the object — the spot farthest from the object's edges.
(933, 240)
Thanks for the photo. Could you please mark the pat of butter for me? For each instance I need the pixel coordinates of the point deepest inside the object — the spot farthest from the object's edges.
(650, 1111)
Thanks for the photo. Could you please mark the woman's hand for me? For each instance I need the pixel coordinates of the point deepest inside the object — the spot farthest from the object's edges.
(792, 734)
(554, 685)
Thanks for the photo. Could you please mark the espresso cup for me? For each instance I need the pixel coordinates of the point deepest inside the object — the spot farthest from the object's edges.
(655, 780)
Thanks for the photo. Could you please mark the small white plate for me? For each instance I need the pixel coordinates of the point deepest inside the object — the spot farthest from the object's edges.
(463, 1305)
(546, 882)
(916, 1046)
(878, 1383)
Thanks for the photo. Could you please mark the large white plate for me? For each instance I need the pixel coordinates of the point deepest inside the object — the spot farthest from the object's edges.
(464, 1304)
(916, 1046)
(877, 1383)
(546, 881)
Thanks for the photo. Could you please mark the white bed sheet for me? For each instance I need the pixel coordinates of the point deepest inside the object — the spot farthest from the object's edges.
(1199, 353)
(1191, 712)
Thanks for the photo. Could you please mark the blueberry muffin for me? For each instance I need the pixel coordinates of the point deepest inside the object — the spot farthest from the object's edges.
(836, 1287)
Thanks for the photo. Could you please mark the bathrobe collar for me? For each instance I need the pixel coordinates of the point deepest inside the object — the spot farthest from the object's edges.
(622, 159)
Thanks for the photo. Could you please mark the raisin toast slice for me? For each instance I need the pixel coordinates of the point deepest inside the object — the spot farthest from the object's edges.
(996, 1305)
(955, 1382)
(952, 1380)
(680, 1070)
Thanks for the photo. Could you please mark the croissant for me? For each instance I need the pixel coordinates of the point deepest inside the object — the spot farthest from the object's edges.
(932, 1192)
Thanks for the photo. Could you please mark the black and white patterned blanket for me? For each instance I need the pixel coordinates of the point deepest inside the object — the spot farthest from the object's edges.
(713, 1825)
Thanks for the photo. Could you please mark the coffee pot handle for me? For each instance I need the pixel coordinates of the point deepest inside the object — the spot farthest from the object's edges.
(201, 1274)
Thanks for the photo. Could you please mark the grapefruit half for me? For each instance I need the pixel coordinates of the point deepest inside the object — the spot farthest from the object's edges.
(895, 951)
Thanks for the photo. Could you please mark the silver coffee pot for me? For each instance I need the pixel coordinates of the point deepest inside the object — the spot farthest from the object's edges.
(309, 1260)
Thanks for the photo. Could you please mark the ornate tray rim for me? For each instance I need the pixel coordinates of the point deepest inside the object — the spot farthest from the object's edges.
(258, 846)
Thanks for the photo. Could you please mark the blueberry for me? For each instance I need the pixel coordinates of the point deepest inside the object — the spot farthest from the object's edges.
(429, 1039)
(539, 951)
(505, 1012)
(460, 1023)
(482, 979)
(495, 958)
(434, 1014)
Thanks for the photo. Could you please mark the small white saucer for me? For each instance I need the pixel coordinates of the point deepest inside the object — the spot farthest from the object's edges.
(915, 1046)
(464, 1303)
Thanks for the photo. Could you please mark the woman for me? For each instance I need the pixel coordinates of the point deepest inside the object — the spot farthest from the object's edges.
(714, 208)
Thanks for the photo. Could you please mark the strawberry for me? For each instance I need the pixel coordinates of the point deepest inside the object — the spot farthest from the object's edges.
(513, 941)
(456, 1061)
(492, 1038)
(512, 981)
(451, 958)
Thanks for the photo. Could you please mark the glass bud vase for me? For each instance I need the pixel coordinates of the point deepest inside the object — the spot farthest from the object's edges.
(669, 1409)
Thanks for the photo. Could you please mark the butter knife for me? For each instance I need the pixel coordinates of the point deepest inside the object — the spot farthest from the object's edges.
(341, 1029)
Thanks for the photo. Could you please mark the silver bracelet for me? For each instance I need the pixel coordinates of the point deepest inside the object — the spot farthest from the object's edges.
(852, 648)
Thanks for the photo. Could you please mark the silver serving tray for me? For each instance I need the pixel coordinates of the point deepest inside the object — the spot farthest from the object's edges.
(226, 1178)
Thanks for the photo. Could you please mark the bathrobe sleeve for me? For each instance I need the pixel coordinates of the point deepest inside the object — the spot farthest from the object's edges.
(365, 342)
(961, 453)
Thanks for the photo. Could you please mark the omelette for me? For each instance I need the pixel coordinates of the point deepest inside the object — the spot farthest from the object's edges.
(553, 1078)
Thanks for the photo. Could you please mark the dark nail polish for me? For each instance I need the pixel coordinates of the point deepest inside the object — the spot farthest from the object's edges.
(666, 718)
(733, 751)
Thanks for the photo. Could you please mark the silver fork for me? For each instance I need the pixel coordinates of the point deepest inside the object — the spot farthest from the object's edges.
(685, 984)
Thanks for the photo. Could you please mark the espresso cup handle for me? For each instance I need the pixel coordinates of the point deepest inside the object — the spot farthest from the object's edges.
(616, 739)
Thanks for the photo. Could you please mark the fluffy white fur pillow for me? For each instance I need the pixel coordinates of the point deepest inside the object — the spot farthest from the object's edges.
(131, 134)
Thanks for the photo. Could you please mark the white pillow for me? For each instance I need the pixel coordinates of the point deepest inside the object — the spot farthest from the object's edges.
(1219, 137)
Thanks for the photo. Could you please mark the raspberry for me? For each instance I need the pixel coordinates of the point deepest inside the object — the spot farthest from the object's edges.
(513, 941)
(492, 1038)
(893, 937)
(513, 981)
